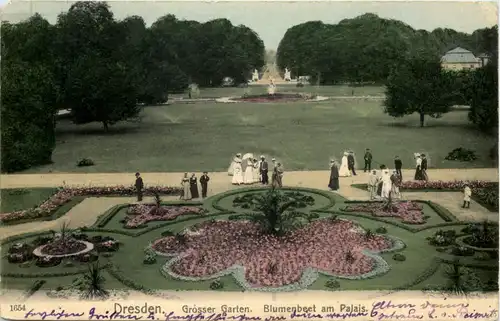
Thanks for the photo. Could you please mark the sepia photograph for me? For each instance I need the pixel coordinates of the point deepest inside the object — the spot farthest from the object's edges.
(249, 160)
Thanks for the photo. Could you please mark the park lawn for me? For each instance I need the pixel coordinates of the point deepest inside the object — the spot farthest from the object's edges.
(286, 88)
(23, 199)
(303, 136)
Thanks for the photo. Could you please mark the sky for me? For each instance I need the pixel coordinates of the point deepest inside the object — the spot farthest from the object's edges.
(271, 19)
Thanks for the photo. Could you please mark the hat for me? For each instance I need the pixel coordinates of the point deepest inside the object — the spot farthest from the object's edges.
(262, 156)
(137, 174)
(273, 159)
(205, 172)
(239, 154)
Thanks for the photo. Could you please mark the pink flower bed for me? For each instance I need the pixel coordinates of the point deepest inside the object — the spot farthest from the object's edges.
(144, 213)
(451, 185)
(408, 212)
(268, 260)
(64, 195)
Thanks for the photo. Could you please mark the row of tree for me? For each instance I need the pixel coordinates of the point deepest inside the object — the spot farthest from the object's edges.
(102, 69)
(365, 48)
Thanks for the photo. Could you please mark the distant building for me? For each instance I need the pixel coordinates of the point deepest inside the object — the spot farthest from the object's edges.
(460, 58)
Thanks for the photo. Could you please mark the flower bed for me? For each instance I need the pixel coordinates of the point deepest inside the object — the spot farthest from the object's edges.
(64, 195)
(63, 247)
(335, 247)
(444, 185)
(140, 214)
(270, 98)
(409, 212)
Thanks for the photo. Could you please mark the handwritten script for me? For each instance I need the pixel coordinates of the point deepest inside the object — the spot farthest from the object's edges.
(380, 310)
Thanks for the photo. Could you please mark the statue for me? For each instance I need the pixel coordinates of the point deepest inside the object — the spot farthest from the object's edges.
(288, 76)
(255, 75)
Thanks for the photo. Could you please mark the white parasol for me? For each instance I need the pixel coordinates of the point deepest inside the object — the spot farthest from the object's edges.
(245, 158)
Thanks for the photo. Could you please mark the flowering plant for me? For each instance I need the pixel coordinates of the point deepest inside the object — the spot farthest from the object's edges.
(447, 185)
(65, 194)
(409, 212)
(146, 212)
(268, 260)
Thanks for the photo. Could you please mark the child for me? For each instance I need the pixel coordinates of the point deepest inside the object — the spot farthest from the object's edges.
(204, 184)
(467, 195)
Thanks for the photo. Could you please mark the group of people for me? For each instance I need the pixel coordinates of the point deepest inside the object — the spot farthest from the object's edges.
(190, 186)
(383, 184)
(248, 170)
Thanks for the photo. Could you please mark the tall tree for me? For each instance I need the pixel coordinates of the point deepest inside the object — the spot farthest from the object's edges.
(419, 85)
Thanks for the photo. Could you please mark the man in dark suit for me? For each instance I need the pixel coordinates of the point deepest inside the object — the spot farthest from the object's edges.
(204, 184)
(398, 165)
(350, 163)
(368, 160)
(264, 168)
(424, 167)
(139, 185)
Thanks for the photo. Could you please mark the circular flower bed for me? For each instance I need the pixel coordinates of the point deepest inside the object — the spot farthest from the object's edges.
(335, 247)
(140, 214)
(409, 212)
(63, 247)
(278, 97)
(248, 201)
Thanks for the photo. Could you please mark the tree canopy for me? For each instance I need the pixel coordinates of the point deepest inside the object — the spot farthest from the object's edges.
(365, 48)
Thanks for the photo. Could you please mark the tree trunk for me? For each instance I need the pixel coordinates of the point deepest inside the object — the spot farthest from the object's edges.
(422, 119)
(106, 126)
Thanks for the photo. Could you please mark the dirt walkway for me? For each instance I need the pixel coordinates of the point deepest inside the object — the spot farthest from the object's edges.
(85, 213)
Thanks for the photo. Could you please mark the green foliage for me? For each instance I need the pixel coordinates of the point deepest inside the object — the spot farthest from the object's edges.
(418, 85)
(461, 280)
(483, 97)
(487, 197)
(461, 154)
(399, 257)
(443, 238)
(332, 284)
(93, 283)
(216, 285)
(85, 162)
(274, 213)
(28, 114)
(381, 230)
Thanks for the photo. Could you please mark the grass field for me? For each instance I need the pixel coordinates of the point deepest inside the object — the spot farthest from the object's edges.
(23, 199)
(304, 136)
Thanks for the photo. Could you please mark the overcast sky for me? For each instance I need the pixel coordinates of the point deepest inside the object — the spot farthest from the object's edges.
(271, 19)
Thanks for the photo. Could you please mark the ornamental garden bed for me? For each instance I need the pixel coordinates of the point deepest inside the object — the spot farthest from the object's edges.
(52, 208)
(139, 215)
(483, 192)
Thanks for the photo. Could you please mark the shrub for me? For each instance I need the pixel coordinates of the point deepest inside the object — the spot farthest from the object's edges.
(332, 284)
(381, 230)
(441, 249)
(487, 196)
(59, 288)
(107, 254)
(149, 259)
(313, 216)
(462, 251)
(443, 238)
(167, 233)
(482, 256)
(217, 285)
(233, 217)
(47, 261)
(69, 264)
(85, 162)
(399, 257)
(462, 155)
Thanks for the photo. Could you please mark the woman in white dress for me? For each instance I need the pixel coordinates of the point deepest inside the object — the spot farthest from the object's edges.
(237, 172)
(230, 170)
(256, 171)
(386, 183)
(248, 177)
(344, 168)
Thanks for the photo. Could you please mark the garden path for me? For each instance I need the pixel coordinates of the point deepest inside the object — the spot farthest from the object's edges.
(80, 215)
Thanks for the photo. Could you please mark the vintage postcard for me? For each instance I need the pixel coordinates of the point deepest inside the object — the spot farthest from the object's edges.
(242, 160)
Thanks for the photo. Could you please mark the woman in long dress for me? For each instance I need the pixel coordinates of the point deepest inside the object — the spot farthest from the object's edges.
(248, 177)
(418, 168)
(395, 180)
(237, 172)
(193, 182)
(186, 188)
(386, 184)
(333, 184)
(230, 170)
(344, 167)
(256, 171)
